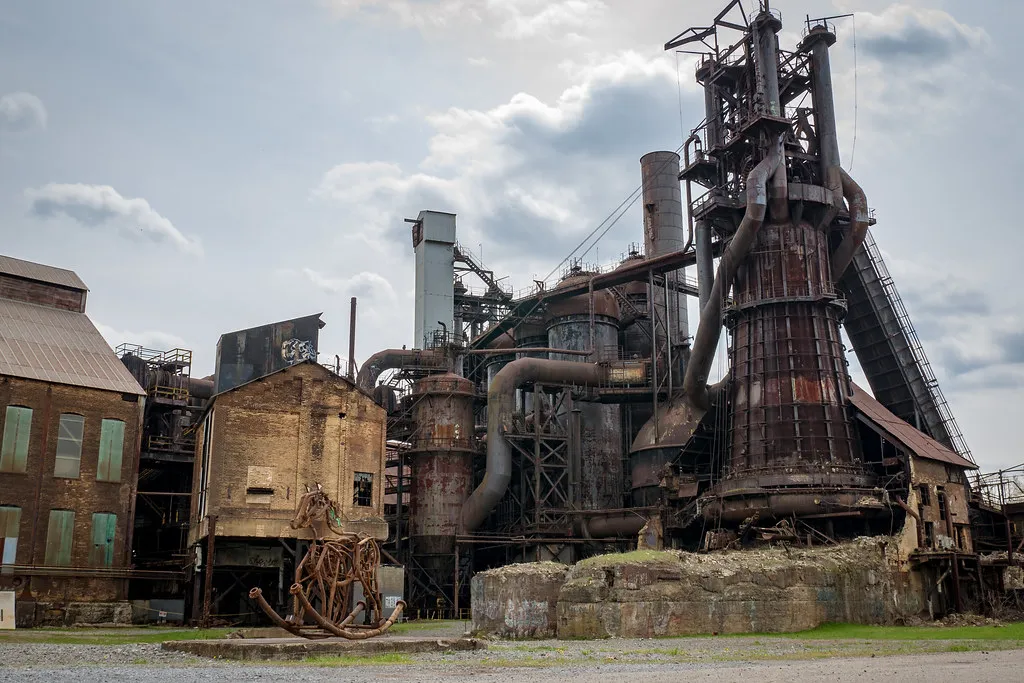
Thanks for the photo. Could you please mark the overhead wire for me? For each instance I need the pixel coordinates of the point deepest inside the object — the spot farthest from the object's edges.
(853, 147)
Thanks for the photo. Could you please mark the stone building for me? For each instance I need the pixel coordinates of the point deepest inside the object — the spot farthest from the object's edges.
(258, 446)
(70, 416)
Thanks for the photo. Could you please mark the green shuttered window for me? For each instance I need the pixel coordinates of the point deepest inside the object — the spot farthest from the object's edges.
(68, 464)
(10, 522)
(104, 528)
(14, 451)
(59, 536)
(111, 450)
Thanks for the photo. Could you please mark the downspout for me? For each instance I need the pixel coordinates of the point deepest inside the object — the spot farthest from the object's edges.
(501, 397)
(702, 354)
(858, 203)
(389, 359)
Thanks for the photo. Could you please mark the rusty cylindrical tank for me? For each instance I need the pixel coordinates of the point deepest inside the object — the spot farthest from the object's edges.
(601, 476)
(791, 436)
(441, 456)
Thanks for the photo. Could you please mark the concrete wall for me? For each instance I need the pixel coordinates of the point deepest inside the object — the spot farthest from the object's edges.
(37, 491)
(273, 437)
(518, 600)
(648, 594)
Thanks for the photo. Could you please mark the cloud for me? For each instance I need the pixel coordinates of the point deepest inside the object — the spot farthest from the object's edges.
(528, 171)
(20, 112)
(364, 284)
(150, 339)
(506, 19)
(906, 33)
(102, 206)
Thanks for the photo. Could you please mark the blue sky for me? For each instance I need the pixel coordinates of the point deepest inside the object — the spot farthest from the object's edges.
(210, 166)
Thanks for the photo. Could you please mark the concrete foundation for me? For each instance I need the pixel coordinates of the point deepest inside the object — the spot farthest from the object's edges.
(42, 614)
(518, 600)
(263, 649)
(646, 594)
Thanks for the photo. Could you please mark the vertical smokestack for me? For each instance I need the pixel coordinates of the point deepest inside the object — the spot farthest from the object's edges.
(765, 28)
(352, 342)
(818, 40)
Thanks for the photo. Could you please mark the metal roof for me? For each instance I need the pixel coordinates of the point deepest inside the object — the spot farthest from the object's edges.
(901, 432)
(53, 345)
(40, 273)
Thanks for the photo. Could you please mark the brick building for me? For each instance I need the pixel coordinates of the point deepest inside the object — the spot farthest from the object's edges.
(257, 447)
(70, 416)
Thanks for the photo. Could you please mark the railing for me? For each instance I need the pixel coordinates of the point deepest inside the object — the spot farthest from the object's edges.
(916, 350)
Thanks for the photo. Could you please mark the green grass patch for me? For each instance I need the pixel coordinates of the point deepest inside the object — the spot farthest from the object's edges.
(72, 636)
(1014, 631)
(427, 625)
(357, 660)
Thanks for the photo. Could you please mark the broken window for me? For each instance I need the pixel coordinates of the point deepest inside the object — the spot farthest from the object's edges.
(68, 464)
(941, 497)
(14, 451)
(929, 534)
(925, 493)
(10, 522)
(363, 489)
(111, 450)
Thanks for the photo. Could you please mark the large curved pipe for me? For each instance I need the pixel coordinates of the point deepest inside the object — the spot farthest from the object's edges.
(613, 524)
(389, 359)
(858, 203)
(702, 354)
(501, 397)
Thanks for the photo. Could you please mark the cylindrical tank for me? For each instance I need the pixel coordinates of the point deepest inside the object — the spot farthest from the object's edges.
(789, 426)
(664, 233)
(494, 363)
(601, 482)
(441, 456)
(529, 334)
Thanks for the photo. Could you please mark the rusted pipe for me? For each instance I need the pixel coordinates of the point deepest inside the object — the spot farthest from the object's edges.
(612, 524)
(525, 350)
(917, 518)
(709, 330)
(389, 359)
(858, 204)
(351, 370)
(501, 397)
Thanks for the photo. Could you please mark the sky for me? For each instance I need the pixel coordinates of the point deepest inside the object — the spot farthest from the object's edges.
(207, 167)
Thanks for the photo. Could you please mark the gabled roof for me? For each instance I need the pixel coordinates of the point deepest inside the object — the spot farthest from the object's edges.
(323, 369)
(900, 432)
(54, 345)
(41, 273)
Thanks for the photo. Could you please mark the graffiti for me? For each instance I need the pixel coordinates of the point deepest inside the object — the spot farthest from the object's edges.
(297, 350)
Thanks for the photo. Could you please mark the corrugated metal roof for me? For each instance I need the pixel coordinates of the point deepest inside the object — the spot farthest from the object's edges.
(52, 345)
(915, 441)
(40, 273)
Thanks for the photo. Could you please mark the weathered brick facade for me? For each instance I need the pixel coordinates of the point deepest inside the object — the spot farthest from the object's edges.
(261, 444)
(37, 491)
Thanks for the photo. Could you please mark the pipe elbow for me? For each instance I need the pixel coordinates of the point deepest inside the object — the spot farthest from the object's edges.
(857, 202)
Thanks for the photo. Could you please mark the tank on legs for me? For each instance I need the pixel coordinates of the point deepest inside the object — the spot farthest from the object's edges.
(441, 453)
(601, 475)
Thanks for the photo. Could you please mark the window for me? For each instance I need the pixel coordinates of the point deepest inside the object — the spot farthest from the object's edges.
(10, 521)
(69, 446)
(926, 495)
(14, 451)
(59, 535)
(104, 528)
(111, 450)
(363, 494)
(941, 497)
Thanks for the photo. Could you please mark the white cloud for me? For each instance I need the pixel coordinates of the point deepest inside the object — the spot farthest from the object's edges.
(507, 19)
(363, 284)
(526, 170)
(21, 111)
(150, 339)
(101, 205)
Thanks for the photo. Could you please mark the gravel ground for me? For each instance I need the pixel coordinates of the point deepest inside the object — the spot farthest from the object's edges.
(935, 668)
(675, 659)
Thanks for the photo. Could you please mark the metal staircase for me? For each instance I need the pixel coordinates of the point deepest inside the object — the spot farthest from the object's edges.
(890, 352)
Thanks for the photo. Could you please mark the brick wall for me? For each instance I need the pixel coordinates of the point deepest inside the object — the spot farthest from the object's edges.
(275, 436)
(84, 495)
(41, 293)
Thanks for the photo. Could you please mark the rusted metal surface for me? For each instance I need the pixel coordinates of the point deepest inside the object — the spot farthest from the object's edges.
(41, 273)
(915, 441)
(389, 359)
(859, 218)
(326, 576)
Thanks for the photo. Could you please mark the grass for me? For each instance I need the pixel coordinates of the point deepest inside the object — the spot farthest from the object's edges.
(634, 557)
(75, 636)
(1014, 631)
(356, 660)
(426, 625)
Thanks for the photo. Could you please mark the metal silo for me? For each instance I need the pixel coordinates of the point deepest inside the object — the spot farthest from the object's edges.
(601, 483)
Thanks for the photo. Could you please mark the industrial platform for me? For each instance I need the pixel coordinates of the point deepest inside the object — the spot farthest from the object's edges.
(286, 649)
